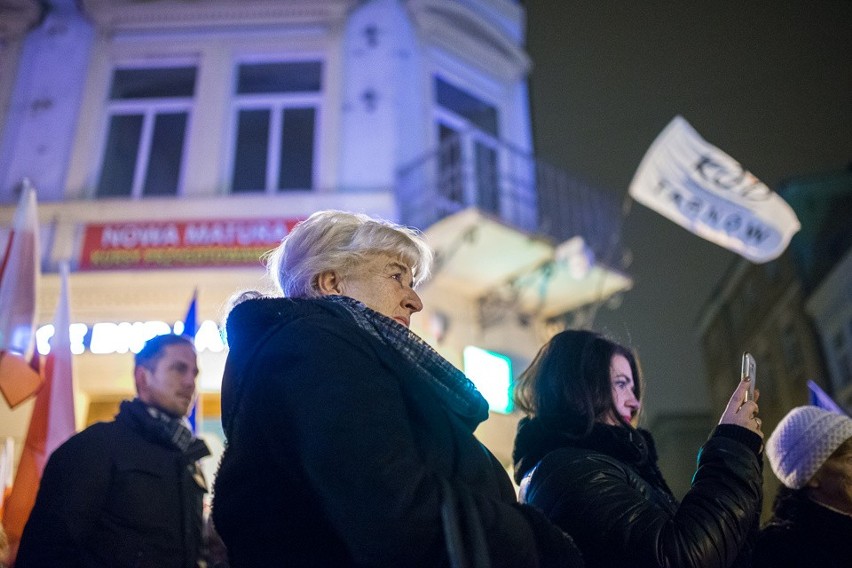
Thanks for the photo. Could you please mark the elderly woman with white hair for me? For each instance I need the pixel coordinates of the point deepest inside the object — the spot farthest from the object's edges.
(349, 440)
(810, 452)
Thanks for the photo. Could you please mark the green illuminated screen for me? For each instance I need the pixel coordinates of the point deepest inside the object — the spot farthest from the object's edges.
(492, 375)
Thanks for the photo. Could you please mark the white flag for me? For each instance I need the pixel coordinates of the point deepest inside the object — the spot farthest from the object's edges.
(708, 193)
(19, 276)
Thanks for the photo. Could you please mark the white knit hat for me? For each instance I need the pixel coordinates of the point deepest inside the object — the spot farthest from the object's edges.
(803, 440)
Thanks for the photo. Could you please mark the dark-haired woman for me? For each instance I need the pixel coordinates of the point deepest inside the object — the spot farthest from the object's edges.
(580, 459)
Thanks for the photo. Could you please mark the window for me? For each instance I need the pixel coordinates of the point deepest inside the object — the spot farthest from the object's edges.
(476, 112)
(275, 116)
(468, 134)
(148, 112)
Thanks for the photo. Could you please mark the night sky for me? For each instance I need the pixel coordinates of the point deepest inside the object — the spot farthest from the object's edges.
(768, 82)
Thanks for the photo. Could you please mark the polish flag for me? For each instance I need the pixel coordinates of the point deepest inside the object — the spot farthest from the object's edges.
(52, 421)
(19, 274)
(7, 460)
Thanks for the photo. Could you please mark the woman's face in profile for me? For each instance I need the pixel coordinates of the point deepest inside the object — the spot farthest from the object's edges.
(623, 396)
(832, 484)
(384, 284)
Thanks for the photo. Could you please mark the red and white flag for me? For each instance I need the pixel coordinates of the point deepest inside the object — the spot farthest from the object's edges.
(19, 274)
(52, 420)
(7, 460)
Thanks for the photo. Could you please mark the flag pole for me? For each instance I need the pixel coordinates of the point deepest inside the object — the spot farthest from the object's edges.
(190, 328)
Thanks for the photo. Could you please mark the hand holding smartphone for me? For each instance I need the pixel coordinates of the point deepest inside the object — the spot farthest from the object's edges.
(737, 412)
(749, 369)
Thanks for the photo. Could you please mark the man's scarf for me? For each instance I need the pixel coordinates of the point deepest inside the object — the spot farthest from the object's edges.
(171, 431)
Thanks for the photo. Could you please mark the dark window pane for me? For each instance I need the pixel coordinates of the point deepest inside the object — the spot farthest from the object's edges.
(297, 149)
(251, 152)
(120, 155)
(479, 113)
(303, 76)
(487, 188)
(166, 154)
(153, 83)
(451, 180)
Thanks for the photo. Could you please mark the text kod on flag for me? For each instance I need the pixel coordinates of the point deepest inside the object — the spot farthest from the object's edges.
(707, 192)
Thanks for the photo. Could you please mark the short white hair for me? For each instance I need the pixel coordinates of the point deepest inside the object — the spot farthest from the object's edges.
(338, 241)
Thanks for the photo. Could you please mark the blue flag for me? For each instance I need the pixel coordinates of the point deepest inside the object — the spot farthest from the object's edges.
(820, 398)
(190, 322)
(190, 327)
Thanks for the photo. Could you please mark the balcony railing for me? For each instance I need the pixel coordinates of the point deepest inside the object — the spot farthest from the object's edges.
(472, 170)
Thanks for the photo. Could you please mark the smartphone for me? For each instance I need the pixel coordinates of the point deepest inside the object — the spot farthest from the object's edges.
(749, 369)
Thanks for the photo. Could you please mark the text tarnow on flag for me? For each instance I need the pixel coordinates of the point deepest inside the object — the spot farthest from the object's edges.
(707, 192)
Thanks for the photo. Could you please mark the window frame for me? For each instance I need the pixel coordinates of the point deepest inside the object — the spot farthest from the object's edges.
(276, 104)
(470, 138)
(149, 108)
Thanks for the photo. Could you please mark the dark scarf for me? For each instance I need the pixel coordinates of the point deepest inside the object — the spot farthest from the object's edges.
(164, 428)
(453, 388)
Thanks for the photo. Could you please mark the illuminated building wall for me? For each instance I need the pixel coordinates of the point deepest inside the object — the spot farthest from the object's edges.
(171, 142)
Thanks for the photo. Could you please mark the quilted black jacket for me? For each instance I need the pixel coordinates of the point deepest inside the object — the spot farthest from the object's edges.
(605, 490)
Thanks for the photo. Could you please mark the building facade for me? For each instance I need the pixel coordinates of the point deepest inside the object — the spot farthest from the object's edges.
(171, 142)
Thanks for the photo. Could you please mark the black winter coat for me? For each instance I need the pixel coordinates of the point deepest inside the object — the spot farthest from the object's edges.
(802, 533)
(116, 495)
(606, 491)
(340, 454)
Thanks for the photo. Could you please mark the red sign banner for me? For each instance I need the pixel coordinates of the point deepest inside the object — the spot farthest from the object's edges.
(181, 244)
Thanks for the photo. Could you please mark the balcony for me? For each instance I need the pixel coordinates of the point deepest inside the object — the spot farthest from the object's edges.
(509, 229)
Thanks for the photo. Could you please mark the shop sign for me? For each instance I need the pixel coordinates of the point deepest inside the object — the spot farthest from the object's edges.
(181, 244)
(104, 338)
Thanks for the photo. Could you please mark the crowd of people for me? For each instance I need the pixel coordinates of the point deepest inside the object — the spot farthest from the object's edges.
(350, 443)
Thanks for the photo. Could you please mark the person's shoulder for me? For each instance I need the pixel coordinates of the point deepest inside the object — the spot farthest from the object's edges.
(95, 439)
(577, 455)
(573, 464)
(90, 433)
(258, 320)
(779, 543)
(574, 477)
(777, 529)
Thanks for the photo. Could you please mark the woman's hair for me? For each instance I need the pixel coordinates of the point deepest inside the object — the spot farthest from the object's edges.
(339, 241)
(568, 384)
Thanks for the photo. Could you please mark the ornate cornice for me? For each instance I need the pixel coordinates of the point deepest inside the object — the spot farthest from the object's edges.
(455, 27)
(127, 15)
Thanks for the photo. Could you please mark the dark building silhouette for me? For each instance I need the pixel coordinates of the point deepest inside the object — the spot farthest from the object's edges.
(793, 314)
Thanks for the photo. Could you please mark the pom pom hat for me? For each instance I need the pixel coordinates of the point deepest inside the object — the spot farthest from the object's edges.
(803, 441)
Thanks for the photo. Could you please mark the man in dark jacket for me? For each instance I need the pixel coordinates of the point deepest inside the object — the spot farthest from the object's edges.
(127, 492)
